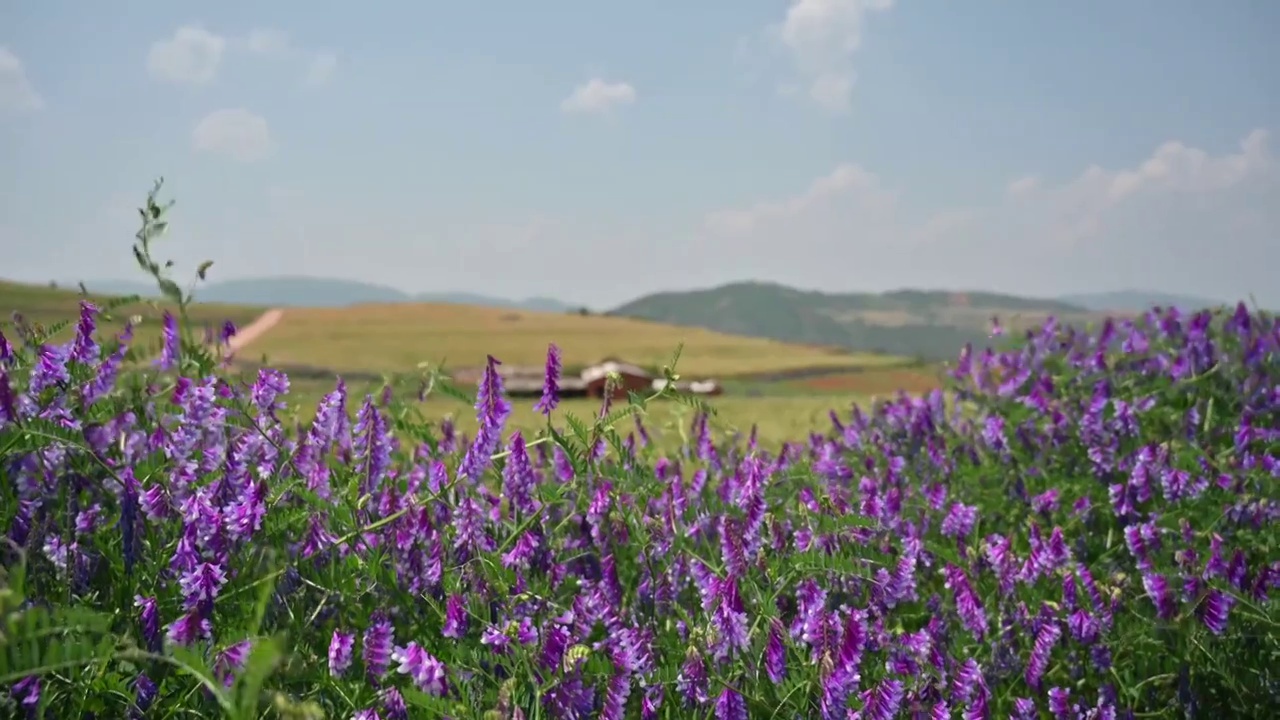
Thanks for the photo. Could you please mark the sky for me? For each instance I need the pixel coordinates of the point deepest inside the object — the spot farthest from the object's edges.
(595, 152)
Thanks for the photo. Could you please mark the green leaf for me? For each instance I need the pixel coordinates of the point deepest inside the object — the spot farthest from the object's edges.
(171, 290)
(263, 660)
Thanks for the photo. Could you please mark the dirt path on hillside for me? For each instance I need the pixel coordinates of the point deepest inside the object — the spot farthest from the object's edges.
(255, 329)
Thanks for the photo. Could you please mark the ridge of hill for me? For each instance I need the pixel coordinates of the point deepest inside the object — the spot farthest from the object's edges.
(306, 291)
(925, 324)
(1138, 301)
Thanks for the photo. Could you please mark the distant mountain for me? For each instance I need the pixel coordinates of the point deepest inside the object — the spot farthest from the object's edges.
(298, 291)
(464, 298)
(931, 325)
(115, 287)
(1139, 301)
(302, 291)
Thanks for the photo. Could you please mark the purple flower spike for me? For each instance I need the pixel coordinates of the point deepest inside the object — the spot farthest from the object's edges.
(168, 359)
(340, 652)
(377, 646)
(550, 383)
(427, 672)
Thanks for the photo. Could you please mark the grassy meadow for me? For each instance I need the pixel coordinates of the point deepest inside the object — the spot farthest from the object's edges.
(389, 338)
(778, 418)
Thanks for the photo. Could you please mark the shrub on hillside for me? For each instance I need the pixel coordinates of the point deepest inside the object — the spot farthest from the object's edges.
(1083, 526)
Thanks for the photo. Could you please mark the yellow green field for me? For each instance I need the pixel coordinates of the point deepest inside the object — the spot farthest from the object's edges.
(391, 338)
(778, 419)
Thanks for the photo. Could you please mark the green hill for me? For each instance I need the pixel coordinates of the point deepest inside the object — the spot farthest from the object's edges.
(927, 324)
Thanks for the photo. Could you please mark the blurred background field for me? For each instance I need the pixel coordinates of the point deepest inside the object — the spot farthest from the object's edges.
(398, 337)
(778, 418)
(785, 389)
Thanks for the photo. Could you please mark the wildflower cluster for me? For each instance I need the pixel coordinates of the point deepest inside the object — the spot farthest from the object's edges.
(1082, 526)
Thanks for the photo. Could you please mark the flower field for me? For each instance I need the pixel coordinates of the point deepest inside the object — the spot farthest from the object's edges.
(1079, 526)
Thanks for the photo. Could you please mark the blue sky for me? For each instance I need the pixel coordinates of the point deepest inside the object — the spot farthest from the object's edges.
(598, 151)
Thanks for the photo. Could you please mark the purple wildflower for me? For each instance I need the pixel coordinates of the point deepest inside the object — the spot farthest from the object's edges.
(968, 606)
(883, 702)
(269, 386)
(518, 476)
(960, 521)
(8, 404)
(129, 519)
(149, 619)
(27, 692)
(393, 704)
(189, 628)
(775, 654)
(227, 332)
(231, 660)
(692, 682)
(730, 705)
(340, 652)
(376, 648)
(427, 672)
(145, 692)
(1060, 704)
(84, 348)
(51, 369)
(1214, 609)
(1040, 651)
(1158, 590)
(492, 411)
(550, 383)
(455, 617)
(171, 347)
(615, 697)
(201, 584)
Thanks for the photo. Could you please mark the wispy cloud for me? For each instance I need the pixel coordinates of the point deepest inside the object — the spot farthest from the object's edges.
(16, 90)
(598, 96)
(235, 133)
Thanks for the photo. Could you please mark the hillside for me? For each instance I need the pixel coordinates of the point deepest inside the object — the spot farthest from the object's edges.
(305, 291)
(1138, 301)
(931, 325)
(397, 337)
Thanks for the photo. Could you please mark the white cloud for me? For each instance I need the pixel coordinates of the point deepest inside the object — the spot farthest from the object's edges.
(821, 36)
(194, 55)
(321, 69)
(319, 64)
(265, 41)
(598, 96)
(191, 56)
(270, 42)
(1077, 210)
(1182, 214)
(235, 132)
(845, 183)
(1023, 185)
(16, 91)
